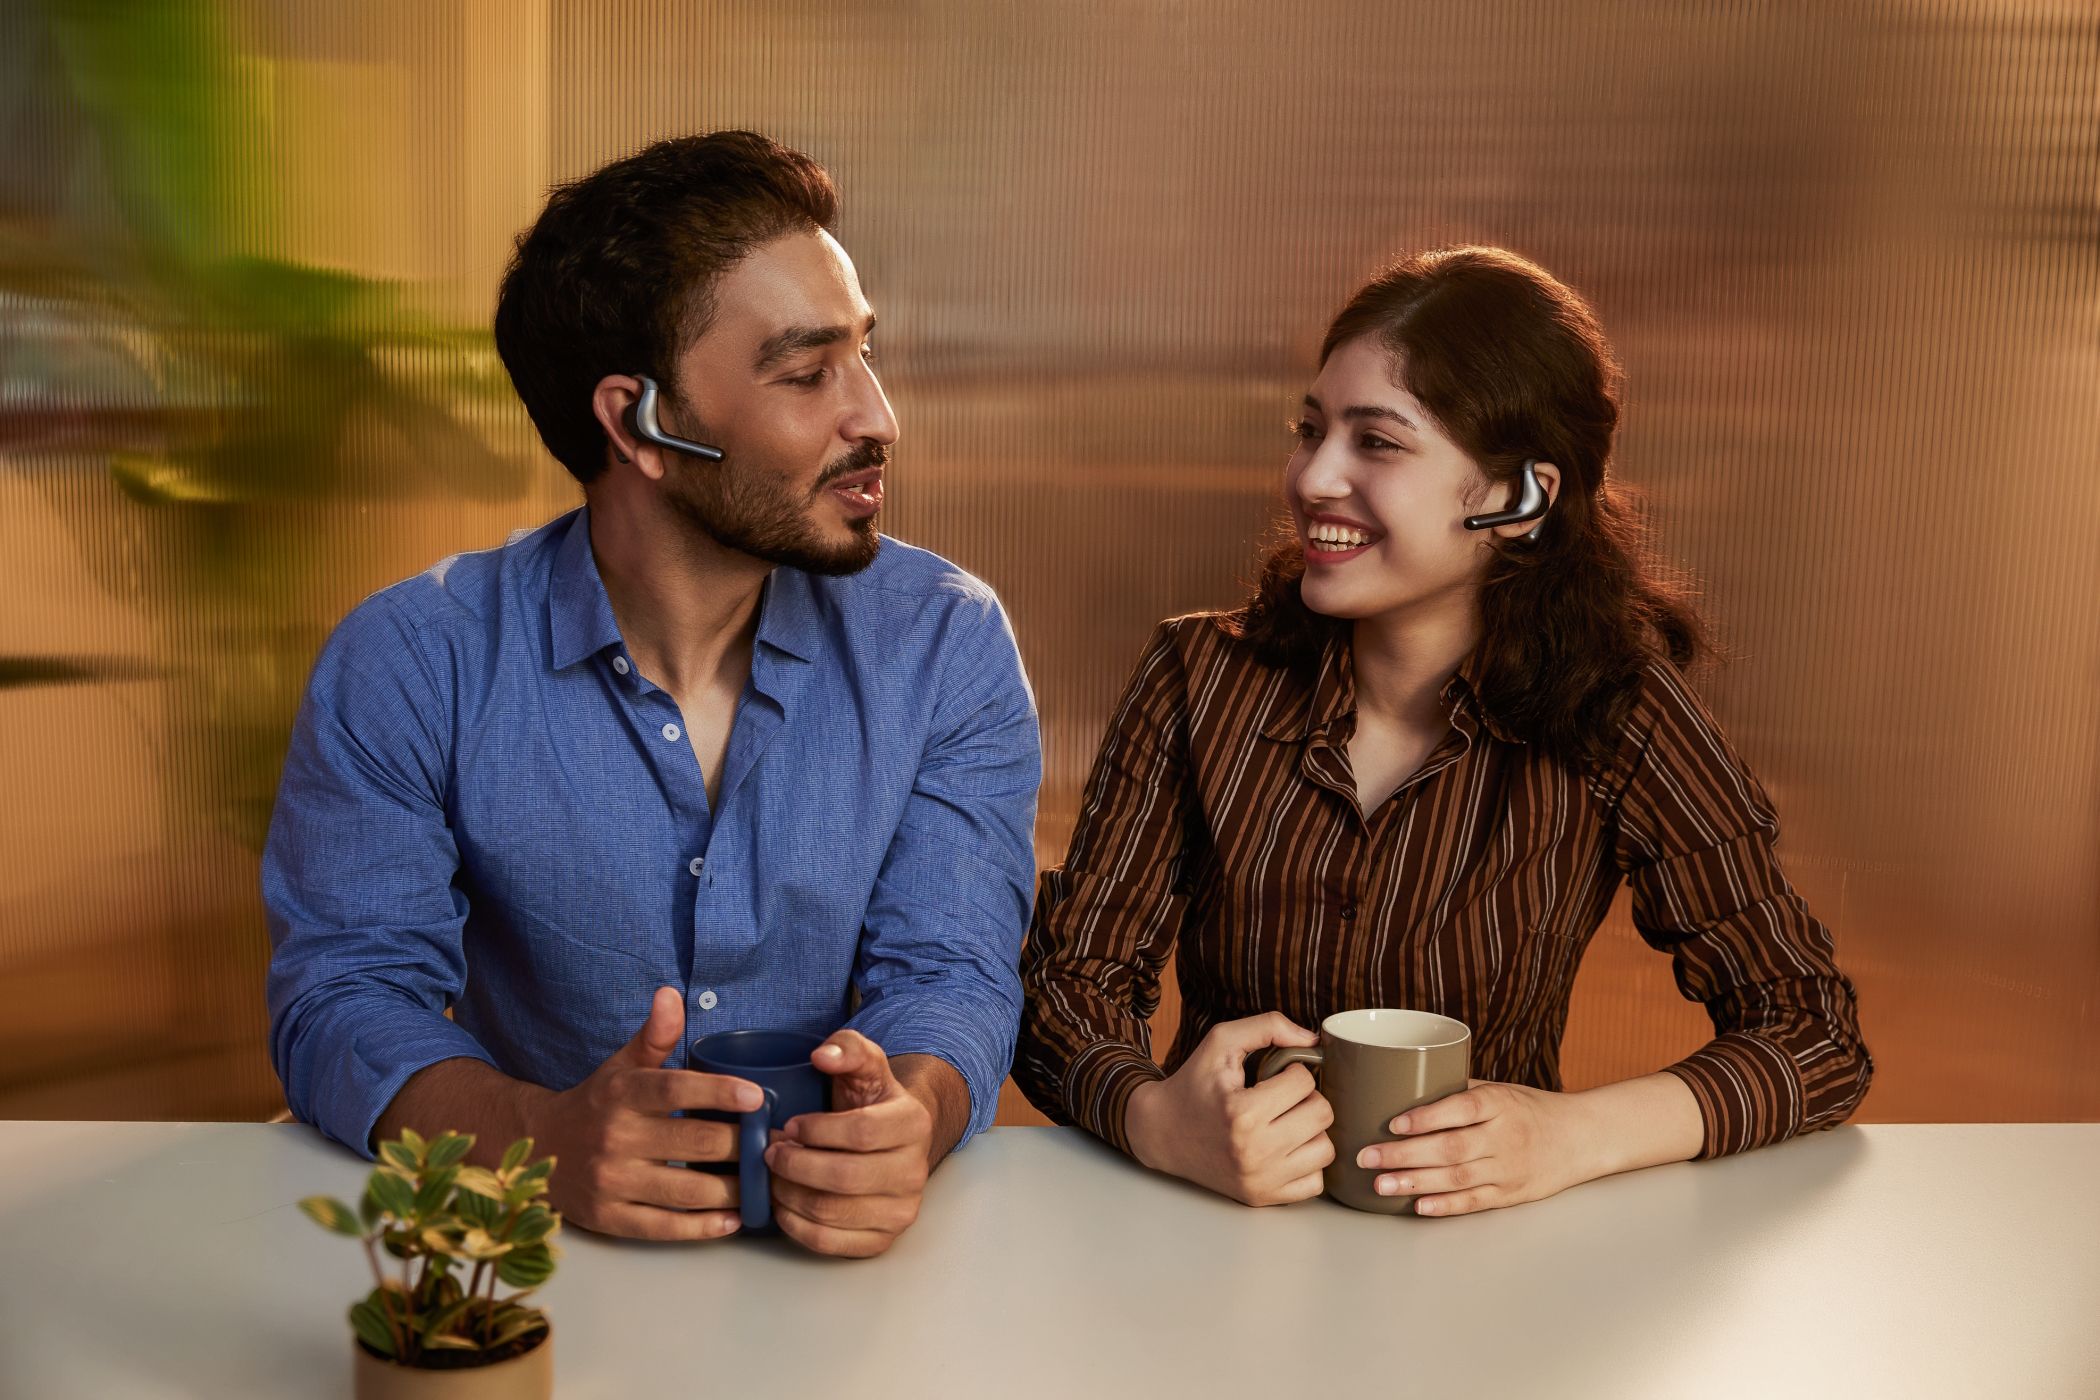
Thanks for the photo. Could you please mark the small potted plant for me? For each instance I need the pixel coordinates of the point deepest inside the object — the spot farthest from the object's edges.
(433, 1326)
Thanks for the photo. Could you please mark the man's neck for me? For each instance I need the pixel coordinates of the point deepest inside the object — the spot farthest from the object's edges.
(1403, 658)
(686, 606)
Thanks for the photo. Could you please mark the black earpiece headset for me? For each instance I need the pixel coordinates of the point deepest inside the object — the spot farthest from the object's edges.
(1532, 503)
(641, 421)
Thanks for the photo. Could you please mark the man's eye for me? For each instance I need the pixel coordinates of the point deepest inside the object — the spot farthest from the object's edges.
(867, 352)
(808, 381)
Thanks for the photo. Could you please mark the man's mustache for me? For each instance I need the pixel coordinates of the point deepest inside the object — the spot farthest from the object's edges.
(860, 459)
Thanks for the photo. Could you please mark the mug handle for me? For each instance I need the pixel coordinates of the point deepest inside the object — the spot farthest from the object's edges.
(754, 1190)
(1277, 1058)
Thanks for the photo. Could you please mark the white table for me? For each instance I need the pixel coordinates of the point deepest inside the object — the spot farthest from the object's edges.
(164, 1259)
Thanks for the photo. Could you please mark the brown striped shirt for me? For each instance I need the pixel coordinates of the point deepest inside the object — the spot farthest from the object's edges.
(1221, 820)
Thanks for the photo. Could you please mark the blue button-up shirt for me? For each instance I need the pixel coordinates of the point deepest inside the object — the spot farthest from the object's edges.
(487, 808)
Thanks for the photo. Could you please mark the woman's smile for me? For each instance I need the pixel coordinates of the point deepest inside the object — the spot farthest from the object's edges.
(1334, 539)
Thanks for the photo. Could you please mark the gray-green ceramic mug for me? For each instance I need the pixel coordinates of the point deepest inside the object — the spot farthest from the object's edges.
(1373, 1066)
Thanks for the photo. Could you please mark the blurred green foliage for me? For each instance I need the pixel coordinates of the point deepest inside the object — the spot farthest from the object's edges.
(243, 404)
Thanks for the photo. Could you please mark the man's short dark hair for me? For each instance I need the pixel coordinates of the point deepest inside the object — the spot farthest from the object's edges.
(618, 274)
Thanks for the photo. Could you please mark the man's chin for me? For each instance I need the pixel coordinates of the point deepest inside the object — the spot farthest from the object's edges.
(836, 558)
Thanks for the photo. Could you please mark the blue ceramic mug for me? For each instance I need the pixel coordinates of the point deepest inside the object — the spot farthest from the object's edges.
(778, 1063)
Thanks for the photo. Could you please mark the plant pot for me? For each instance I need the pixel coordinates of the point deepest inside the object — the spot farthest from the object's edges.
(527, 1376)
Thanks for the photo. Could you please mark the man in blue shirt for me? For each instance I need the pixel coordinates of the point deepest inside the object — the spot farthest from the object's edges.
(707, 754)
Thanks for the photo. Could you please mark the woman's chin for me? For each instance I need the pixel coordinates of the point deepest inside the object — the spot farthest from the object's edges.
(1330, 602)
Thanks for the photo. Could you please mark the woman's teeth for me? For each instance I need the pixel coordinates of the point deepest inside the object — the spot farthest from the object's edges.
(1334, 537)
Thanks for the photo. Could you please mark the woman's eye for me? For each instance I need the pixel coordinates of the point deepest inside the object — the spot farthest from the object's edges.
(1371, 442)
(1304, 431)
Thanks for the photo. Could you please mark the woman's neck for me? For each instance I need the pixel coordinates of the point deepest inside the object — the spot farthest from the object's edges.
(1403, 659)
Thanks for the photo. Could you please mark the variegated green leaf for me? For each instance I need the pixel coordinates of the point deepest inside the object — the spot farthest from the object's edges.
(535, 1223)
(401, 1156)
(481, 1181)
(516, 1153)
(331, 1214)
(510, 1329)
(526, 1268)
(477, 1209)
(370, 1325)
(393, 1195)
(450, 1150)
(436, 1190)
(478, 1243)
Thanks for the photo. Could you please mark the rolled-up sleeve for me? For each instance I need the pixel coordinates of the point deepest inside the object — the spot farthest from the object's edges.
(937, 967)
(1107, 918)
(1695, 837)
(358, 880)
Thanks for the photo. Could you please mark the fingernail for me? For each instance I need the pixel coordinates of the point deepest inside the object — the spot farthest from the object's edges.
(772, 1151)
(1400, 1124)
(1427, 1207)
(1367, 1158)
(748, 1097)
(830, 1052)
(729, 1226)
(1388, 1187)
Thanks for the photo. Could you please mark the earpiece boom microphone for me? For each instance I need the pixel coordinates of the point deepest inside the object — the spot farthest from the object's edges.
(1532, 502)
(641, 421)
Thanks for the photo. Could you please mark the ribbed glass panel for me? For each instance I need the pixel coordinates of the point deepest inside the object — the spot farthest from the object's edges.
(1849, 253)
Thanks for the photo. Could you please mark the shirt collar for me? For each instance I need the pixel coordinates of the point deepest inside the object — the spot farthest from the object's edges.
(580, 617)
(1462, 692)
(1332, 698)
(790, 615)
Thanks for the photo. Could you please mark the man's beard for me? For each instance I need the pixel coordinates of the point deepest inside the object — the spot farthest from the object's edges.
(760, 516)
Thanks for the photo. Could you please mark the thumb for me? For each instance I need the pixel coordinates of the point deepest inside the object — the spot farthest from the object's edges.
(1236, 1040)
(660, 1033)
(860, 1072)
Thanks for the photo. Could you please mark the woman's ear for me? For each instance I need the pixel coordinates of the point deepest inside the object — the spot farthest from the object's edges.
(1549, 481)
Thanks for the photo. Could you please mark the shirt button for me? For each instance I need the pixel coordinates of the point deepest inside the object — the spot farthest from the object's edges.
(707, 1001)
(671, 732)
(620, 664)
(694, 865)
(1348, 912)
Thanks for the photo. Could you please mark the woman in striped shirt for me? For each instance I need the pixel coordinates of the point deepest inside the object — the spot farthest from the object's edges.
(1412, 771)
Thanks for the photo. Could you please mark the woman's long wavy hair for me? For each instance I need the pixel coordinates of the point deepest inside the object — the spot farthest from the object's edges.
(1513, 365)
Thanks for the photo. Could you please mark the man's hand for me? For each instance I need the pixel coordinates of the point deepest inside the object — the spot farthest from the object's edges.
(614, 1139)
(848, 1182)
(1262, 1146)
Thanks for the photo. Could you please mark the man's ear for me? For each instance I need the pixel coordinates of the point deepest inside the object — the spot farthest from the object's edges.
(611, 402)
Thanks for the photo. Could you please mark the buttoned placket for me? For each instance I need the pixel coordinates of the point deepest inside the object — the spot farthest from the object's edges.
(655, 714)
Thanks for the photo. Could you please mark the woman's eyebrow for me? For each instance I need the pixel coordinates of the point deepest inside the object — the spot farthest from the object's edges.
(1391, 415)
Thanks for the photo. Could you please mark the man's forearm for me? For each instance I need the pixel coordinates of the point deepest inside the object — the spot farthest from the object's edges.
(940, 1086)
(467, 1096)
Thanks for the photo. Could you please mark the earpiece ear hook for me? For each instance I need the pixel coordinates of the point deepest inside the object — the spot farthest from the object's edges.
(641, 421)
(1532, 503)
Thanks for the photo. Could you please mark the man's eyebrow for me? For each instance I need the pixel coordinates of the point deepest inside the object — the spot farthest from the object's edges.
(1360, 411)
(794, 340)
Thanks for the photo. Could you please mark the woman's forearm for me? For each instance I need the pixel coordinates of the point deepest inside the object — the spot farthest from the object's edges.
(1637, 1123)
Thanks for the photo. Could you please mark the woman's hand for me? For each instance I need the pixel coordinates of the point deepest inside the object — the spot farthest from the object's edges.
(1491, 1145)
(1263, 1146)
